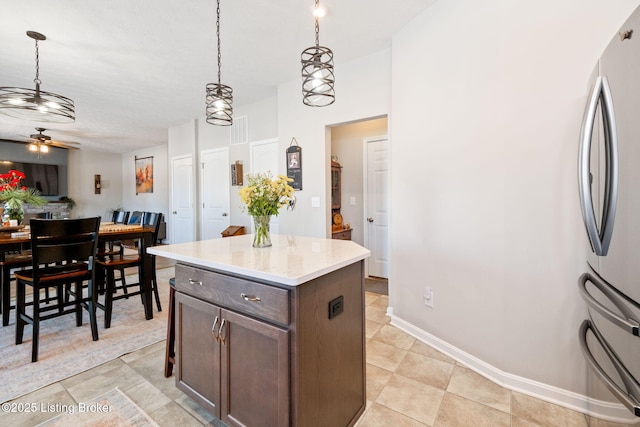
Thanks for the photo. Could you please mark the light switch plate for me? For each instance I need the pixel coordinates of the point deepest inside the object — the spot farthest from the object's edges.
(315, 202)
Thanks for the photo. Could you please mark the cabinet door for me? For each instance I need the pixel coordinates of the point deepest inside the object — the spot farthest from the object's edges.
(197, 351)
(255, 372)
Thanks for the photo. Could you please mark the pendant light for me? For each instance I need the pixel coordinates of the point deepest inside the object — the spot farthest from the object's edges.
(219, 96)
(36, 105)
(317, 72)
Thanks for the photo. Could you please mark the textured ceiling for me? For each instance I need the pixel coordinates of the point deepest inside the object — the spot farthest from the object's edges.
(134, 68)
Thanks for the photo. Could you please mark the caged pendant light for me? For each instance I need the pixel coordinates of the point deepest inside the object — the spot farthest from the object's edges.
(219, 96)
(317, 72)
(36, 105)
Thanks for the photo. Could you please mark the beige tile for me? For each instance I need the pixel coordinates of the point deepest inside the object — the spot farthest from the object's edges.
(37, 407)
(384, 356)
(370, 298)
(377, 378)
(456, 411)
(376, 314)
(543, 413)
(86, 375)
(144, 352)
(147, 396)
(426, 350)
(473, 386)
(123, 378)
(380, 416)
(411, 398)
(393, 336)
(172, 415)
(197, 411)
(371, 328)
(426, 370)
(382, 302)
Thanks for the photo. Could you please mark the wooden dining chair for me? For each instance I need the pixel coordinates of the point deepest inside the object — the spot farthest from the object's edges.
(63, 252)
(124, 260)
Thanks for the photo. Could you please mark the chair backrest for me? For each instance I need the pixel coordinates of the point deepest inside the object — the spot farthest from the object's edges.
(63, 240)
(135, 218)
(152, 219)
(120, 217)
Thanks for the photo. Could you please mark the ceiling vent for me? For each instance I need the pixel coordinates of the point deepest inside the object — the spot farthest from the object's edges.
(239, 131)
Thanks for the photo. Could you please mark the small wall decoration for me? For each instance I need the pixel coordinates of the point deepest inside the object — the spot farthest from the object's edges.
(144, 174)
(236, 173)
(294, 164)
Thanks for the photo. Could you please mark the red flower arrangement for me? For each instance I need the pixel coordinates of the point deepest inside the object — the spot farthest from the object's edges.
(14, 195)
(11, 180)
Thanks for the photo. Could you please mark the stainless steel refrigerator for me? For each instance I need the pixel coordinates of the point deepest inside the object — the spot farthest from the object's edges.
(609, 187)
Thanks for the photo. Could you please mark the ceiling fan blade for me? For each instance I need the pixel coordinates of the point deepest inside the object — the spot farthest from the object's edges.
(66, 145)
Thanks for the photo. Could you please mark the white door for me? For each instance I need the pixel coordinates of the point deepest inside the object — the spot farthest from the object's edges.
(214, 193)
(264, 158)
(377, 207)
(182, 196)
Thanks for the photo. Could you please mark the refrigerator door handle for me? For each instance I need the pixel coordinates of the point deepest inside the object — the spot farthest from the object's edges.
(628, 398)
(599, 240)
(629, 324)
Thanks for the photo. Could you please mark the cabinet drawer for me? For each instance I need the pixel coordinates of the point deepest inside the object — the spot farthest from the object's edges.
(245, 296)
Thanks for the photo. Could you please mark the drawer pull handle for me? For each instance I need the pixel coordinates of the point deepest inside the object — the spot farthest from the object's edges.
(221, 330)
(213, 328)
(195, 282)
(251, 298)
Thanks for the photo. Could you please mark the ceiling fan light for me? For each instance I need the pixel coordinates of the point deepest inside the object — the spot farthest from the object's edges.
(44, 149)
(33, 148)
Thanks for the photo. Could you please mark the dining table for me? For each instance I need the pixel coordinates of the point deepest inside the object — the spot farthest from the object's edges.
(18, 239)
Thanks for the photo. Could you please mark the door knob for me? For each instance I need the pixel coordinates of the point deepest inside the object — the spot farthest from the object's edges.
(224, 214)
(175, 212)
(370, 219)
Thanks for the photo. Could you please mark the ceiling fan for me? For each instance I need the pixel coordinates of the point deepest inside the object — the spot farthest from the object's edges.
(41, 142)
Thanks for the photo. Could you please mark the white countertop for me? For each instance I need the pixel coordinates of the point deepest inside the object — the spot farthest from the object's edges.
(292, 260)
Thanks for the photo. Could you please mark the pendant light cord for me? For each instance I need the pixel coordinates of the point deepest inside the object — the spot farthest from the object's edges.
(317, 23)
(37, 79)
(218, 35)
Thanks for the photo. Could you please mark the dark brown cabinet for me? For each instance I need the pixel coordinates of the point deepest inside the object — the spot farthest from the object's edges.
(257, 354)
(237, 367)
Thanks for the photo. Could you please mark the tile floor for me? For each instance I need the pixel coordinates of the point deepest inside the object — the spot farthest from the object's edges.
(408, 384)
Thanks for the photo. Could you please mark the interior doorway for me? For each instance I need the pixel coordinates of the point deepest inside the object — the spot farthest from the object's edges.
(349, 148)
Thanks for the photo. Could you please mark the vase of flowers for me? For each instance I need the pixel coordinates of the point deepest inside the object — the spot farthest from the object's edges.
(14, 195)
(263, 197)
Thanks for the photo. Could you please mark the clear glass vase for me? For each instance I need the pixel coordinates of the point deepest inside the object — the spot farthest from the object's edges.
(13, 211)
(262, 236)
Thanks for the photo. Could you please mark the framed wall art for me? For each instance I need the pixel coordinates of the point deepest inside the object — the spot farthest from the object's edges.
(144, 174)
(294, 164)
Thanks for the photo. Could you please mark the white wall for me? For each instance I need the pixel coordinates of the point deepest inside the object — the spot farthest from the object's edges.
(158, 201)
(486, 106)
(83, 165)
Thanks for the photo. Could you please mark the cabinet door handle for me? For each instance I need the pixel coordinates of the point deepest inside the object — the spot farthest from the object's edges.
(221, 330)
(213, 328)
(250, 298)
(195, 282)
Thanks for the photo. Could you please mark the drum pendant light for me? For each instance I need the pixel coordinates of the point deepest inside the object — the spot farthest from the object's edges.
(219, 96)
(317, 72)
(36, 105)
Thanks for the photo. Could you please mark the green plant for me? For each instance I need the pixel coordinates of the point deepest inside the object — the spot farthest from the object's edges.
(69, 201)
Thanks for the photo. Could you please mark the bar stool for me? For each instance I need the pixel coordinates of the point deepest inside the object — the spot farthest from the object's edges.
(10, 262)
(170, 347)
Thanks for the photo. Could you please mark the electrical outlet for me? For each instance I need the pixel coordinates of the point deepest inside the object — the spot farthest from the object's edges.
(428, 297)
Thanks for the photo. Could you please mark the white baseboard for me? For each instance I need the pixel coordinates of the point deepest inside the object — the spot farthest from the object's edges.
(609, 411)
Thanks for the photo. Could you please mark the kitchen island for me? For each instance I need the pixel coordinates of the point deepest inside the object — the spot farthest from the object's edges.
(271, 336)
